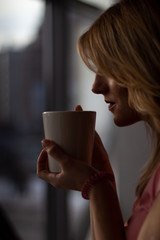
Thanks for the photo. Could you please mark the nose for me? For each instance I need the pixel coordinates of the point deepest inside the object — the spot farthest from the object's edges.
(100, 86)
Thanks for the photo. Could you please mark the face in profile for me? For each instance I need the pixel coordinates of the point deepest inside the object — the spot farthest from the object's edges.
(116, 98)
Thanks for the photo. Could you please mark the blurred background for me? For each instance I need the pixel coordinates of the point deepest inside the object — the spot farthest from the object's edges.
(40, 70)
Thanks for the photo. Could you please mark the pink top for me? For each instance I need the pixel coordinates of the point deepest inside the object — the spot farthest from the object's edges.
(142, 206)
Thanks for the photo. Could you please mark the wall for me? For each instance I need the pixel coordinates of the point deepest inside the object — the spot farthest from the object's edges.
(130, 150)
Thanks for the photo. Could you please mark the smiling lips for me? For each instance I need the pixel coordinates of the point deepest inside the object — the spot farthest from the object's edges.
(111, 105)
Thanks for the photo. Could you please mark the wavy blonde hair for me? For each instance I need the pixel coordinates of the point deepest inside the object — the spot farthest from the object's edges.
(123, 43)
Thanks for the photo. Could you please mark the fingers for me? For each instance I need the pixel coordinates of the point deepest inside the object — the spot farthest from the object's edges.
(78, 108)
(73, 173)
(54, 151)
(97, 140)
(42, 168)
(42, 165)
(42, 162)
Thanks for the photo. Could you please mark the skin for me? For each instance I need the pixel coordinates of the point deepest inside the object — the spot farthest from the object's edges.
(150, 229)
(122, 113)
(106, 217)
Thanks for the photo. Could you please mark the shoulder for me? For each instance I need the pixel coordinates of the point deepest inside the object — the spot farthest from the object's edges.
(150, 226)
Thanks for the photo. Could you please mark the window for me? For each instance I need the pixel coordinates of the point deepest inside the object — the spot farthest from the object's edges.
(40, 70)
(22, 99)
(102, 4)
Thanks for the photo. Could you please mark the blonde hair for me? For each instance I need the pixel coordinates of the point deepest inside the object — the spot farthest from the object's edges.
(123, 43)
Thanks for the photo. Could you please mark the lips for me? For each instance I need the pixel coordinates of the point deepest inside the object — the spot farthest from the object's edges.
(111, 104)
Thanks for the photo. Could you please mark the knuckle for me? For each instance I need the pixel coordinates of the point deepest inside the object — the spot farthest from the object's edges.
(54, 149)
(57, 153)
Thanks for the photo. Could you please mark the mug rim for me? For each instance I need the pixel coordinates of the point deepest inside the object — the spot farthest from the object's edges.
(53, 112)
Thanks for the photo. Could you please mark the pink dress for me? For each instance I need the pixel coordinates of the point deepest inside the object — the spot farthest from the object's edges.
(142, 206)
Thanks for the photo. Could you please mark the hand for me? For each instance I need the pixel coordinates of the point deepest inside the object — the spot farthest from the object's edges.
(100, 159)
(73, 173)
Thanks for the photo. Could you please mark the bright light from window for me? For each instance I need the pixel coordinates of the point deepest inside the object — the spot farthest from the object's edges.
(19, 22)
(102, 4)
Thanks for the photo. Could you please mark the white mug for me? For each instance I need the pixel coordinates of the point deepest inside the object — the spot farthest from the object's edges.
(73, 131)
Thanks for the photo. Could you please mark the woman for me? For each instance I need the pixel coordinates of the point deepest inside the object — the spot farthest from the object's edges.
(122, 48)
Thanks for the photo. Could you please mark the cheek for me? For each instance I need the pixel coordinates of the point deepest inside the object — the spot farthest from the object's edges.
(123, 114)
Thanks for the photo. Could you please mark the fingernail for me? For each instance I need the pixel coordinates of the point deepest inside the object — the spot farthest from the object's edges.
(45, 142)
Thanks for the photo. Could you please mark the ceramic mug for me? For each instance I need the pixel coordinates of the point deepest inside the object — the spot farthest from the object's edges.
(73, 131)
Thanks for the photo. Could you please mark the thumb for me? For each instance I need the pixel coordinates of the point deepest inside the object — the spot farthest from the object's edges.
(55, 151)
(78, 108)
